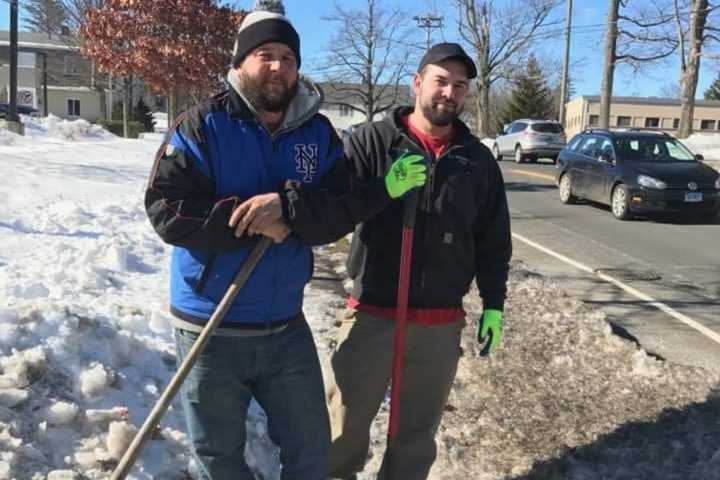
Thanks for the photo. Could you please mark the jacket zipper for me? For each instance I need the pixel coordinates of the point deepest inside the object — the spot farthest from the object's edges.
(429, 189)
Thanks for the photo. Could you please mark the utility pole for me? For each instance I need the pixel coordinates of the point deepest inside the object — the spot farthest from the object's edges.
(13, 59)
(428, 22)
(606, 88)
(566, 61)
(45, 83)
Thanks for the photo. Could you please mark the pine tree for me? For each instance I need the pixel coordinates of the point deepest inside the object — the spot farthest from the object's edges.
(46, 16)
(531, 96)
(713, 92)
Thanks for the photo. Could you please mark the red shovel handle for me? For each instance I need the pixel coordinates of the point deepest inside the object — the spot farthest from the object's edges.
(402, 304)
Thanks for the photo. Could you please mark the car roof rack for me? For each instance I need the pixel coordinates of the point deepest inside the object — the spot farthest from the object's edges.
(595, 129)
(647, 129)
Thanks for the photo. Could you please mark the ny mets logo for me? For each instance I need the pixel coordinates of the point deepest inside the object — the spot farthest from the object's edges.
(306, 161)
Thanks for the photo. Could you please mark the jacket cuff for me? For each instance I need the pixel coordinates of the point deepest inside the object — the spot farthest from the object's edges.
(494, 302)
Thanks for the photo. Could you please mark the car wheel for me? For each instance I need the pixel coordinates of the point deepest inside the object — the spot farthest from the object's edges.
(496, 153)
(620, 202)
(565, 188)
(519, 157)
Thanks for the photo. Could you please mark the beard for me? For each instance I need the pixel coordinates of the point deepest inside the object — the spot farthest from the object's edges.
(441, 117)
(266, 96)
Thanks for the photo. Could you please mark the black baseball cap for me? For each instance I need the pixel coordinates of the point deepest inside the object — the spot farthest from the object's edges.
(447, 51)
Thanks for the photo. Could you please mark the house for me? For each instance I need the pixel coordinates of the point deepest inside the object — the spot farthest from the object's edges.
(661, 114)
(338, 101)
(71, 91)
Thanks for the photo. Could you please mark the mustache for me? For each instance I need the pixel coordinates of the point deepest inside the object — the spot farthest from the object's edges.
(446, 102)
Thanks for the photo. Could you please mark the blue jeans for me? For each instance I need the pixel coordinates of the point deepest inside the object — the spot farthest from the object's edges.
(282, 372)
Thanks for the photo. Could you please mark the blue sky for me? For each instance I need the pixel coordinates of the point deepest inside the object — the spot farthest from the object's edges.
(586, 47)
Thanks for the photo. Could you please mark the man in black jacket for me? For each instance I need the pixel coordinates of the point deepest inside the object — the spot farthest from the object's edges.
(462, 231)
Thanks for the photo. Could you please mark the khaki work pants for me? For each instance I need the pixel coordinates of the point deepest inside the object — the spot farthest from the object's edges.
(362, 365)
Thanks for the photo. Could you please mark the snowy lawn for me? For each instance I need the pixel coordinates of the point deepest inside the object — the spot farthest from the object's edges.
(86, 348)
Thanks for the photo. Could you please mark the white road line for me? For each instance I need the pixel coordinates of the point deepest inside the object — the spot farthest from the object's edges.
(533, 174)
(632, 291)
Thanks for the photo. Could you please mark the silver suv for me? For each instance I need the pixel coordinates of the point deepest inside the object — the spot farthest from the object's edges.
(529, 140)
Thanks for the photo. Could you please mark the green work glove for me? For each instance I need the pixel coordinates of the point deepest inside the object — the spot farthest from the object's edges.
(490, 331)
(406, 173)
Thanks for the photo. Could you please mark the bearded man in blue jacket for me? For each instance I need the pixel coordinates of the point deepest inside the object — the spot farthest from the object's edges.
(247, 143)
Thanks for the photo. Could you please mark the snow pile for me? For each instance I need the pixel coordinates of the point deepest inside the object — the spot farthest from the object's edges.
(7, 137)
(70, 130)
(706, 144)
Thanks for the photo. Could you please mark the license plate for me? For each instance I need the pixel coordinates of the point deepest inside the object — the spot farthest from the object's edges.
(693, 197)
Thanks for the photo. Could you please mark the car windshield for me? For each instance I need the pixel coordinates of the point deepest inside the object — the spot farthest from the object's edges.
(547, 127)
(649, 149)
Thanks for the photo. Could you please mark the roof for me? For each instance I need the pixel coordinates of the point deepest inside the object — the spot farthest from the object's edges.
(336, 92)
(40, 41)
(674, 102)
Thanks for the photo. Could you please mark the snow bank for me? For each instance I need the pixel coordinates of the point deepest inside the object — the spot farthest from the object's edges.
(71, 130)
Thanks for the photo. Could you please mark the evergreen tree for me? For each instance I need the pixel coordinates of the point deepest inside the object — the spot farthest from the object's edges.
(531, 97)
(142, 114)
(713, 92)
(46, 16)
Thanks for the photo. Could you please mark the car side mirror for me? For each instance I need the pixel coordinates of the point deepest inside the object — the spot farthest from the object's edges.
(606, 158)
(699, 157)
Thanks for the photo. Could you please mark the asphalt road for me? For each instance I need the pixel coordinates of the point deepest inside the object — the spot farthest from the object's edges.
(674, 261)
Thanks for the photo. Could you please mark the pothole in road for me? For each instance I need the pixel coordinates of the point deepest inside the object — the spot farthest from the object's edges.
(629, 274)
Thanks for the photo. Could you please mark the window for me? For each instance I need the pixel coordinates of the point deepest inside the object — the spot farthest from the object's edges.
(70, 65)
(605, 147)
(624, 121)
(588, 146)
(647, 149)
(345, 111)
(707, 124)
(547, 127)
(73, 107)
(574, 142)
(676, 123)
(26, 59)
(652, 122)
(517, 127)
(594, 120)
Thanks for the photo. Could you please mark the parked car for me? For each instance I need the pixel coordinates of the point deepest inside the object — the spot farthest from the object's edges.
(529, 140)
(637, 172)
(21, 109)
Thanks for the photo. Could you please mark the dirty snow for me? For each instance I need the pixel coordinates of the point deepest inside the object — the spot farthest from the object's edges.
(86, 348)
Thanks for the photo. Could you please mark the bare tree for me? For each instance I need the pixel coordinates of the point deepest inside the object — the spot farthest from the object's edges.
(46, 16)
(636, 38)
(670, 90)
(76, 10)
(368, 58)
(694, 28)
(498, 39)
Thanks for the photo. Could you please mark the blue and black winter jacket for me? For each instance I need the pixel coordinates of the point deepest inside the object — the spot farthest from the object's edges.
(219, 154)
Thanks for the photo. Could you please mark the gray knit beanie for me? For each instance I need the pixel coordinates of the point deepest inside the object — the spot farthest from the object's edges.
(266, 23)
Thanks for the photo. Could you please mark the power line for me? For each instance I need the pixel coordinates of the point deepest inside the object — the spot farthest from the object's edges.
(429, 22)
